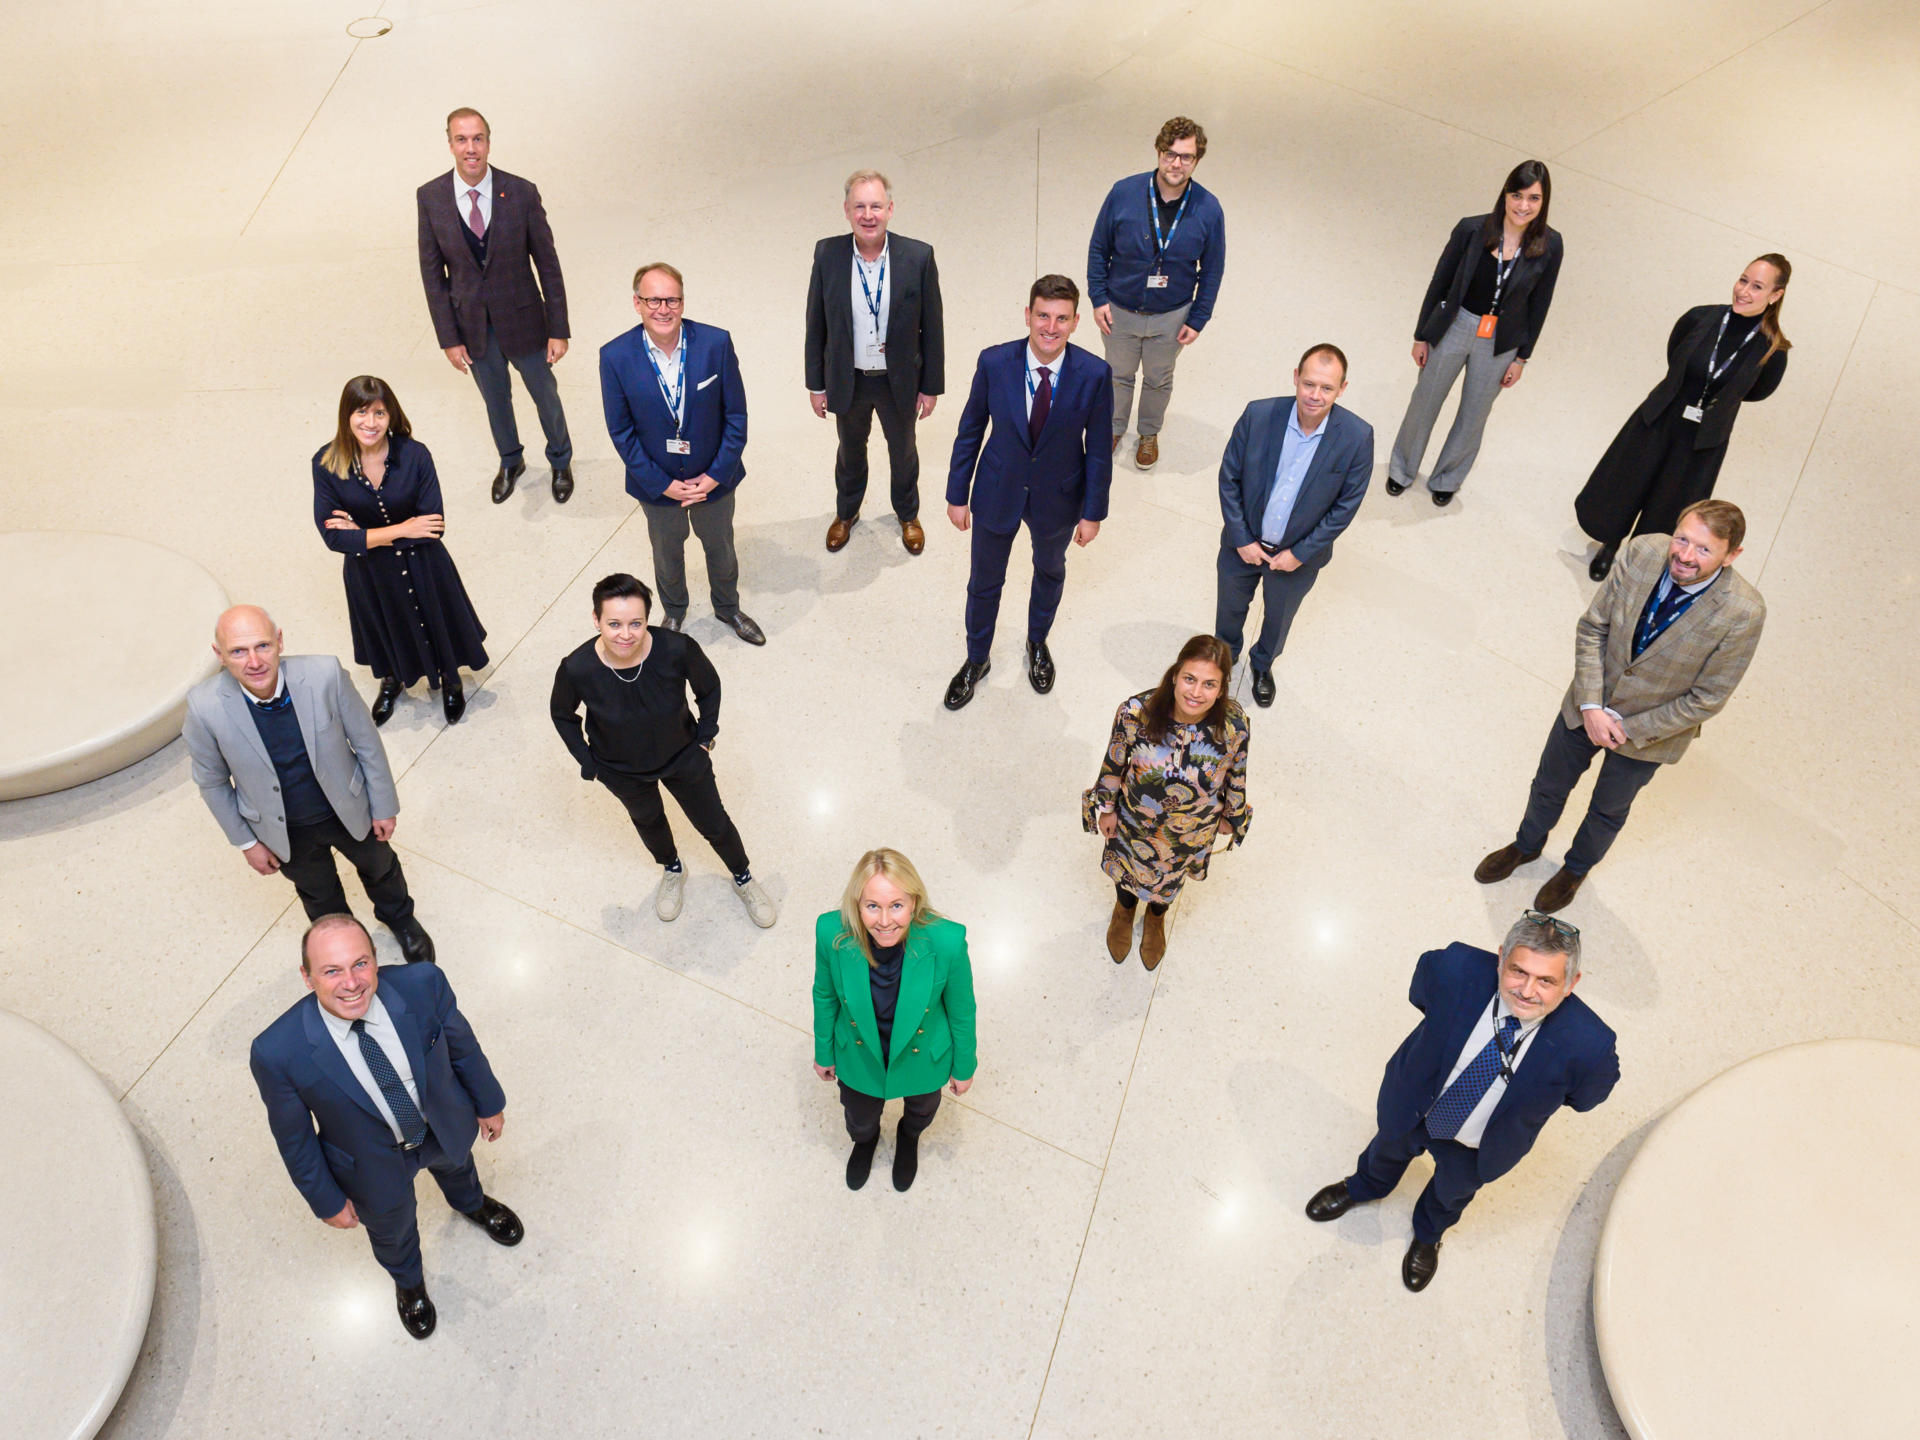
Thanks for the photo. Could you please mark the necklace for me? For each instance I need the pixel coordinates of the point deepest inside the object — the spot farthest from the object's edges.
(623, 679)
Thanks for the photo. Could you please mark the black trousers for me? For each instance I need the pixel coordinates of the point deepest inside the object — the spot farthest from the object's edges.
(863, 1113)
(872, 395)
(395, 1234)
(1281, 594)
(490, 374)
(1565, 759)
(311, 869)
(1456, 1178)
(699, 796)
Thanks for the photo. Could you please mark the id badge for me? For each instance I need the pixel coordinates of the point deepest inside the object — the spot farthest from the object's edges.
(679, 447)
(1693, 413)
(1487, 323)
(1156, 282)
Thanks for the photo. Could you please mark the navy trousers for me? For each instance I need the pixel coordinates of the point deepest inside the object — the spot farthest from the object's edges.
(1281, 594)
(1456, 1178)
(396, 1233)
(989, 578)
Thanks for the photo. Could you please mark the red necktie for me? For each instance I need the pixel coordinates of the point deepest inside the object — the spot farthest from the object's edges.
(1042, 402)
(476, 222)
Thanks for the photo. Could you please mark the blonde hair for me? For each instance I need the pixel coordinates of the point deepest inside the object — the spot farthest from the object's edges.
(1770, 317)
(897, 868)
(860, 177)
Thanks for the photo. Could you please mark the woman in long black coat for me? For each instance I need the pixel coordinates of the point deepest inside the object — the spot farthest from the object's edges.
(1668, 453)
(376, 500)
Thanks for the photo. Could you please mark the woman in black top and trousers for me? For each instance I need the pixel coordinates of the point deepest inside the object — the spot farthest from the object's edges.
(1668, 454)
(641, 735)
(376, 501)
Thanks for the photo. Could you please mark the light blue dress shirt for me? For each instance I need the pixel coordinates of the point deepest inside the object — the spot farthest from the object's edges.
(1297, 450)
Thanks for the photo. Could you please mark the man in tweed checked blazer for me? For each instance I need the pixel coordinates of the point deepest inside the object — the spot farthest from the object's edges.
(1658, 652)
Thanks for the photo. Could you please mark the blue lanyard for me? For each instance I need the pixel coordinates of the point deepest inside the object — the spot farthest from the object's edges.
(1033, 385)
(1153, 208)
(677, 393)
(873, 305)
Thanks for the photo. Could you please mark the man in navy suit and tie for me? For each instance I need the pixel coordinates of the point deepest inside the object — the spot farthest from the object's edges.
(1503, 1046)
(1293, 476)
(1048, 461)
(382, 1063)
(677, 412)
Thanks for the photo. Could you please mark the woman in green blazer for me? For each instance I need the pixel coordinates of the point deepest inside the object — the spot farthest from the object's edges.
(892, 1008)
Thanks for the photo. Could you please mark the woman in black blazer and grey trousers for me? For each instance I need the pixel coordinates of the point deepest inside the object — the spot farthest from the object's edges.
(1483, 311)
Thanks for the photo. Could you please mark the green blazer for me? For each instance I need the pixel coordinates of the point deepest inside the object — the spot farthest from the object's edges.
(933, 1035)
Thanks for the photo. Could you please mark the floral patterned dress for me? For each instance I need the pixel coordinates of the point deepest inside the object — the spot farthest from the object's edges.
(1172, 798)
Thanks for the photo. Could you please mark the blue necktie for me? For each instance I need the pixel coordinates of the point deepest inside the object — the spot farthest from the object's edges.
(1659, 615)
(406, 1115)
(1451, 1110)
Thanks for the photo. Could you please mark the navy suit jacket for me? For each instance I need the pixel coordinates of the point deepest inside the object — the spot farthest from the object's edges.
(306, 1086)
(1569, 1061)
(641, 424)
(1056, 483)
(1330, 495)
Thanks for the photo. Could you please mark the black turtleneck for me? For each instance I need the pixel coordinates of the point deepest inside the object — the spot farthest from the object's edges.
(884, 975)
(1739, 327)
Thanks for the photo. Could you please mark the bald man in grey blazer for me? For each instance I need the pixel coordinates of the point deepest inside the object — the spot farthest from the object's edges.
(289, 762)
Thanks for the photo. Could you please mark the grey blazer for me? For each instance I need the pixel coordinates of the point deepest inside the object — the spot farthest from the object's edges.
(236, 776)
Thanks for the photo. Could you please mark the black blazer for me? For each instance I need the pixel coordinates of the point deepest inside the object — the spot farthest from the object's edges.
(1523, 303)
(462, 296)
(1753, 376)
(916, 333)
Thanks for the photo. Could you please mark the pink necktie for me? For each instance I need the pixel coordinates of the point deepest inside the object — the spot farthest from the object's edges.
(476, 222)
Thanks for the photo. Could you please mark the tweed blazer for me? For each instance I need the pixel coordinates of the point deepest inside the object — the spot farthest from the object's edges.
(1684, 677)
(518, 291)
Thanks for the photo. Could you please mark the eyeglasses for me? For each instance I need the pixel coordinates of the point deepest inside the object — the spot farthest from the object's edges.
(661, 302)
(1558, 926)
(1178, 158)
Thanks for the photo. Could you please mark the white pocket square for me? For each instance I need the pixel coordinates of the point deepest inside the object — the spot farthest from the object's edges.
(706, 382)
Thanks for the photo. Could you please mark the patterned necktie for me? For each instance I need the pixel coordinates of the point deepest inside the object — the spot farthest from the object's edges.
(1451, 1110)
(476, 222)
(1659, 615)
(405, 1113)
(1042, 402)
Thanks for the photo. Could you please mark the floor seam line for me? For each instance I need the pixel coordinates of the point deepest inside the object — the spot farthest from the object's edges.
(1878, 898)
(294, 149)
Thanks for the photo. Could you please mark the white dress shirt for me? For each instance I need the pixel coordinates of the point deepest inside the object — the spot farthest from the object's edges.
(673, 368)
(1476, 1124)
(1034, 362)
(869, 336)
(380, 1027)
(463, 202)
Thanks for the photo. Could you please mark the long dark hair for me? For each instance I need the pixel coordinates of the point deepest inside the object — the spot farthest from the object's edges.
(1159, 711)
(1533, 240)
(360, 392)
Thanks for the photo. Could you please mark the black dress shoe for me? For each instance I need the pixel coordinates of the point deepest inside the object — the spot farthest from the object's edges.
(1444, 497)
(1394, 487)
(1602, 562)
(383, 703)
(1040, 670)
(503, 1227)
(415, 943)
(416, 1310)
(1263, 688)
(1330, 1202)
(562, 484)
(860, 1162)
(1419, 1265)
(454, 700)
(742, 625)
(906, 1159)
(676, 623)
(503, 479)
(960, 691)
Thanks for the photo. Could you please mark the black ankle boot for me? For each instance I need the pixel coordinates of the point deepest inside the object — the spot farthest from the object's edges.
(906, 1159)
(455, 701)
(383, 703)
(860, 1162)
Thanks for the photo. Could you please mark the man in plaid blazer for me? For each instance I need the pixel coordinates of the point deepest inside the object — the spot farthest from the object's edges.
(1659, 650)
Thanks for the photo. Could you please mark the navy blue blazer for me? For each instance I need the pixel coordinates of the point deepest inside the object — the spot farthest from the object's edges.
(641, 424)
(1329, 497)
(305, 1083)
(1058, 482)
(1570, 1061)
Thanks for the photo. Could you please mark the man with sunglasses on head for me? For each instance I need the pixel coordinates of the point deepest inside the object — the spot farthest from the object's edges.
(1504, 1045)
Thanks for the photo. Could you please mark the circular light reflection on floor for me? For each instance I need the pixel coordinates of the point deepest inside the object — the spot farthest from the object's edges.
(368, 27)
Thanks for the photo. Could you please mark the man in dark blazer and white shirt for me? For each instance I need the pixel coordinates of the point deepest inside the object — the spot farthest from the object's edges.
(876, 343)
(1293, 476)
(483, 238)
(1046, 460)
(380, 1062)
(677, 413)
(288, 760)
(1503, 1045)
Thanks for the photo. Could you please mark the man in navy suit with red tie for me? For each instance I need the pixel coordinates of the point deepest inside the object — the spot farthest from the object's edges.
(1047, 460)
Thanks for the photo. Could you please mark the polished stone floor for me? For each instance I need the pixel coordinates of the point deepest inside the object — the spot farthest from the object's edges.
(212, 228)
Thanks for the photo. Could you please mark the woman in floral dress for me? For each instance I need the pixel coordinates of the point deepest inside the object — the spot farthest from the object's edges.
(1174, 775)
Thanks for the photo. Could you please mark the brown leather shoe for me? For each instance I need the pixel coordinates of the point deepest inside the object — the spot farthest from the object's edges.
(1501, 863)
(1146, 454)
(838, 533)
(1120, 933)
(1558, 892)
(912, 536)
(1153, 939)
(1116, 442)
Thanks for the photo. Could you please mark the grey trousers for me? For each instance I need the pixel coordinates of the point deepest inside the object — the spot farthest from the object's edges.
(490, 374)
(1144, 343)
(712, 521)
(1457, 348)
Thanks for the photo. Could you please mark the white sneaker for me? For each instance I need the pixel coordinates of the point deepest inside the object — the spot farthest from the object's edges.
(759, 908)
(673, 890)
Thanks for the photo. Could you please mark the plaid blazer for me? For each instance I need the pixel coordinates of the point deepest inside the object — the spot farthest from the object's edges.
(1686, 675)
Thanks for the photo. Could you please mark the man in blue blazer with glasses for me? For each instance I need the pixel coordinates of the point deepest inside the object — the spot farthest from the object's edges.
(1034, 446)
(677, 413)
